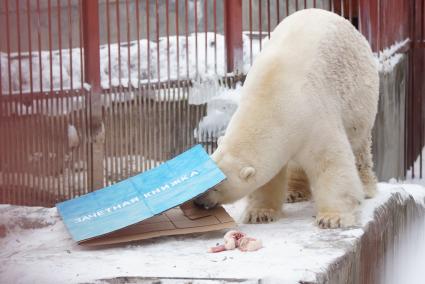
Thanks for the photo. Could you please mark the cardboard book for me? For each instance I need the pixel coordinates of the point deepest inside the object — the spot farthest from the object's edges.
(151, 204)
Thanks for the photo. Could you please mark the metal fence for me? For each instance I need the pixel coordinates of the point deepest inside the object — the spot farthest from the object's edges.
(92, 92)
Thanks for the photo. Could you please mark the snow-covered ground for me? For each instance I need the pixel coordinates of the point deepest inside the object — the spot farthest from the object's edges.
(36, 248)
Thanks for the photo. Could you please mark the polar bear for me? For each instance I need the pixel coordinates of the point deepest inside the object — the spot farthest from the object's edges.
(309, 100)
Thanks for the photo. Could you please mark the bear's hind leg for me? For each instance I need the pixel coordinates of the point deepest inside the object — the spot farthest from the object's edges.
(298, 185)
(265, 203)
(364, 165)
(336, 186)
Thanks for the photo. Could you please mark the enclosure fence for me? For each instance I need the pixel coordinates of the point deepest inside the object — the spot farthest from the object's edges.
(92, 92)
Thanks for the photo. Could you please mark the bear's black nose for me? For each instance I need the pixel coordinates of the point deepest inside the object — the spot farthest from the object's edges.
(204, 202)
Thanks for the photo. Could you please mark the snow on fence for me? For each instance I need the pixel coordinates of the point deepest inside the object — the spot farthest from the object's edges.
(140, 81)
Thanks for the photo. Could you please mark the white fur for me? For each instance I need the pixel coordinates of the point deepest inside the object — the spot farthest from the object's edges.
(311, 98)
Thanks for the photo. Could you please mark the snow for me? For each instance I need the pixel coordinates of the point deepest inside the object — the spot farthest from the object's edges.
(390, 56)
(220, 108)
(167, 59)
(36, 248)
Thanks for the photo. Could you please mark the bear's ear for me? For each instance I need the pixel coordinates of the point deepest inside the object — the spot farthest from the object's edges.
(219, 140)
(246, 173)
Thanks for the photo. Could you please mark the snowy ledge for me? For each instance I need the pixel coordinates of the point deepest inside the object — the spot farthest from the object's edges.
(36, 248)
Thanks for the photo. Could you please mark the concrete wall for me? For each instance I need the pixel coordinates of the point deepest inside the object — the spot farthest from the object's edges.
(388, 133)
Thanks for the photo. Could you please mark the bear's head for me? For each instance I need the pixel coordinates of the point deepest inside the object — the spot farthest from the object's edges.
(241, 179)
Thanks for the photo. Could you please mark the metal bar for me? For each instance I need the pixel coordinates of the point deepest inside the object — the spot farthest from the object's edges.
(268, 19)
(21, 143)
(60, 148)
(29, 48)
(359, 15)
(49, 8)
(187, 37)
(117, 10)
(196, 37)
(138, 42)
(167, 28)
(138, 101)
(127, 13)
(70, 45)
(60, 43)
(250, 32)
(233, 35)
(148, 40)
(215, 36)
(206, 34)
(287, 8)
(108, 36)
(18, 37)
(127, 109)
(40, 69)
(156, 151)
(81, 41)
(177, 39)
(260, 22)
(92, 77)
(420, 95)
(9, 69)
(277, 12)
(147, 122)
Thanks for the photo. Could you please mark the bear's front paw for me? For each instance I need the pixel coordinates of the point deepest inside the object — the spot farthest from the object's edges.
(335, 220)
(261, 215)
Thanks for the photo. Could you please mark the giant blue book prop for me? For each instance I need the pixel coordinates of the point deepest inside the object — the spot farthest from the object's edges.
(142, 196)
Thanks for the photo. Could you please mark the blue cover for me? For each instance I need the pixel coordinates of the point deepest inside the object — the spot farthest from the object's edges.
(142, 196)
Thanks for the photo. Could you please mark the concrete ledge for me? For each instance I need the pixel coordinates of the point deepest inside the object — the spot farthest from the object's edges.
(36, 248)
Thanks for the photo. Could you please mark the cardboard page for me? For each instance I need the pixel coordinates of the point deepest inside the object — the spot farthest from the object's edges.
(131, 209)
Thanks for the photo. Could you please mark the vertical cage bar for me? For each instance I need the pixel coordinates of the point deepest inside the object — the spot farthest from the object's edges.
(138, 102)
(127, 110)
(9, 68)
(157, 97)
(70, 47)
(40, 66)
(233, 35)
(49, 8)
(196, 37)
(117, 11)
(277, 13)
(92, 77)
(287, 8)
(268, 19)
(206, 34)
(29, 49)
(419, 90)
(21, 143)
(186, 26)
(250, 31)
(260, 22)
(81, 41)
(167, 30)
(127, 13)
(215, 36)
(138, 42)
(108, 38)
